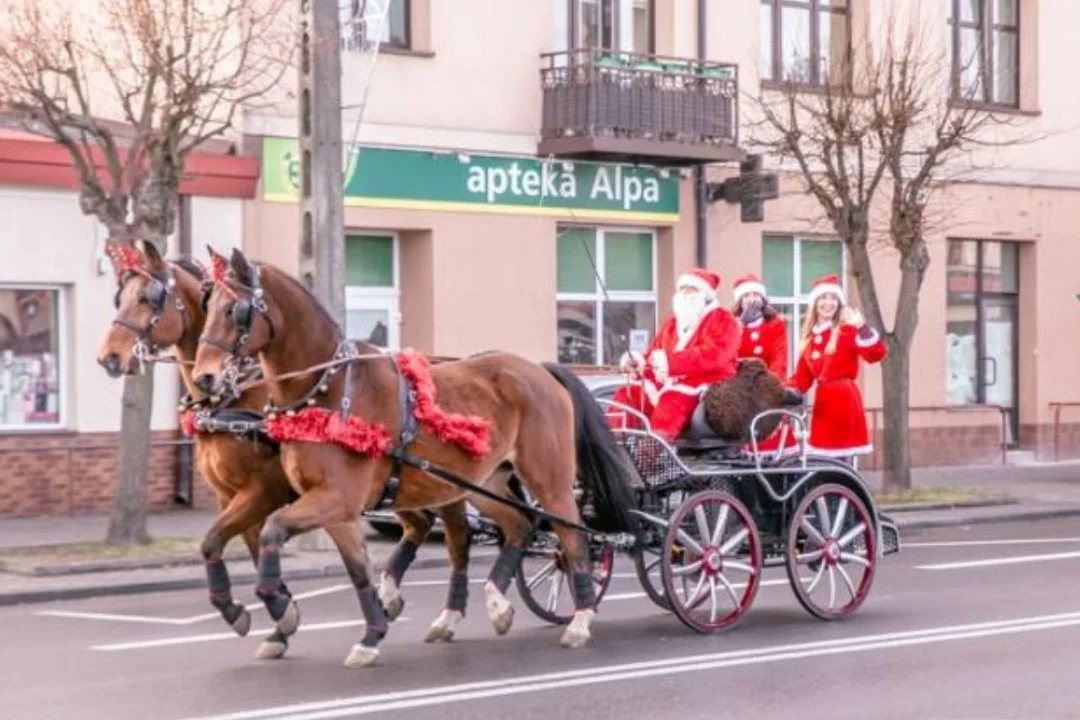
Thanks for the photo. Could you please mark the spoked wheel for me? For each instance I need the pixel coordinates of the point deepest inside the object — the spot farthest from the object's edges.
(831, 552)
(647, 562)
(711, 562)
(544, 583)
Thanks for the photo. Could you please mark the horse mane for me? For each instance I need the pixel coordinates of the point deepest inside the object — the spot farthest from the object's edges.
(191, 267)
(299, 286)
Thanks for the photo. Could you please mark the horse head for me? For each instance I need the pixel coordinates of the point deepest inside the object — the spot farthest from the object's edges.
(155, 307)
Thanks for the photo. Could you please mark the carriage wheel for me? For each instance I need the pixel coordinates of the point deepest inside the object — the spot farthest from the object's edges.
(831, 538)
(546, 577)
(647, 564)
(711, 562)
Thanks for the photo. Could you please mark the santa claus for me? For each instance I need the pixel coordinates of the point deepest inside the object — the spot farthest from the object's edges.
(696, 347)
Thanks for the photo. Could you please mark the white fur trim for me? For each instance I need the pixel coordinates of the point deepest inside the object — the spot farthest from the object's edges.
(839, 452)
(820, 290)
(860, 342)
(686, 337)
(695, 281)
(748, 287)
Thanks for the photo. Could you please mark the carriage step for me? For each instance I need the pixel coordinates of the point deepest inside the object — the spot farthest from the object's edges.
(890, 536)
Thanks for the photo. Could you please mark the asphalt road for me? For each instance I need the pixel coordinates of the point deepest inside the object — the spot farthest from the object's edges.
(981, 622)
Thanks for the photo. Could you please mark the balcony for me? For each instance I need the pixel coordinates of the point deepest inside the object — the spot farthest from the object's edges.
(624, 107)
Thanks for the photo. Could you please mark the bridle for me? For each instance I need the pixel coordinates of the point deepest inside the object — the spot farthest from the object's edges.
(244, 311)
(156, 295)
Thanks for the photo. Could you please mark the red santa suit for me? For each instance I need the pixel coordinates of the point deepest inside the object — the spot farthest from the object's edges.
(688, 355)
(767, 341)
(838, 418)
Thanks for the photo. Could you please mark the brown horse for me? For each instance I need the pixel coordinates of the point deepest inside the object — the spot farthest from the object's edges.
(360, 430)
(159, 304)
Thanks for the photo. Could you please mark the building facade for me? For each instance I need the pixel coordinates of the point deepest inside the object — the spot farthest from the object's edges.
(526, 176)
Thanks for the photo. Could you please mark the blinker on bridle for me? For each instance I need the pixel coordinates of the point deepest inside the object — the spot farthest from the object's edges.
(155, 294)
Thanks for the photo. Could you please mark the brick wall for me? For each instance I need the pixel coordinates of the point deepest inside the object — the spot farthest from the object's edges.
(72, 474)
(936, 446)
(1040, 438)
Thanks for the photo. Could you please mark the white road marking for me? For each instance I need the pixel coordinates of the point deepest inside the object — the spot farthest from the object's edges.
(364, 705)
(211, 637)
(999, 561)
(974, 543)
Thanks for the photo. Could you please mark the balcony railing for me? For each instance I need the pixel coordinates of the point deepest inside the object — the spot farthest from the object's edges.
(618, 105)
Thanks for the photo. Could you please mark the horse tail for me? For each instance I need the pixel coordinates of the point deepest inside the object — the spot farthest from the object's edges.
(604, 468)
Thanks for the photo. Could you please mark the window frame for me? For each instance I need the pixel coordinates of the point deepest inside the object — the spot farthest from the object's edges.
(355, 37)
(362, 297)
(800, 301)
(63, 350)
(599, 273)
(573, 26)
(985, 55)
(775, 75)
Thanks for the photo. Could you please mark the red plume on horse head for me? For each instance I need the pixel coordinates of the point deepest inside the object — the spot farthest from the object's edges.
(125, 258)
(219, 264)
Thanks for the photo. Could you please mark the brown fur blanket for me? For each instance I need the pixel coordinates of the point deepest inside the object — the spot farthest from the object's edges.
(730, 406)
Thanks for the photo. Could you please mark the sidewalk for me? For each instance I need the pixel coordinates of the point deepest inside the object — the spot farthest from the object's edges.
(1020, 493)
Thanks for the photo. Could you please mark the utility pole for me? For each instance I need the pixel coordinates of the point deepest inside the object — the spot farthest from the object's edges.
(322, 202)
(322, 208)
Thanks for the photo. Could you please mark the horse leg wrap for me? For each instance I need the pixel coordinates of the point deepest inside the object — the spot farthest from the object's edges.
(271, 590)
(506, 566)
(584, 591)
(217, 577)
(459, 592)
(400, 559)
(377, 626)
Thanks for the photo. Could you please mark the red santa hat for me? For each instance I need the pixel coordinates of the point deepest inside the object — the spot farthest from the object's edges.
(706, 281)
(749, 283)
(824, 285)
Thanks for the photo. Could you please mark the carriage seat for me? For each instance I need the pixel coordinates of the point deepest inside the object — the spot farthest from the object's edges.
(698, 435)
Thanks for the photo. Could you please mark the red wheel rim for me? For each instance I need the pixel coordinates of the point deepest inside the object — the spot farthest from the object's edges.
(831, 552)
(711, 562)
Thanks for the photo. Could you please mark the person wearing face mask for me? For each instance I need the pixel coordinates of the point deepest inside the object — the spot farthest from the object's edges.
(835, 338)
(764, 337)
(696, 347)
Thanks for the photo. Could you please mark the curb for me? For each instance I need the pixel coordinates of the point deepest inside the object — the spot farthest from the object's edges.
(963, 504)
(956, 521)
(151, 586)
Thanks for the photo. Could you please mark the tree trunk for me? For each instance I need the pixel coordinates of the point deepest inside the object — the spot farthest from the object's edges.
(127, 524)
(896, 396)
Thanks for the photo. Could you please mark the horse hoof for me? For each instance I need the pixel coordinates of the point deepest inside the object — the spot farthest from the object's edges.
(577, 633)
(500, 610)
(390, 597)
(242, 624)
(271, 650)
(443, 628)
(289, 622)
(361, 656)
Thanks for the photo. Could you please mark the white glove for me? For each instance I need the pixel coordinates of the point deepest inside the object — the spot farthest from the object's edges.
(659, 362)
(632, 362)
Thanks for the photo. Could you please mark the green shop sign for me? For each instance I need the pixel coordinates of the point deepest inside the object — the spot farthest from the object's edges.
(447, 181)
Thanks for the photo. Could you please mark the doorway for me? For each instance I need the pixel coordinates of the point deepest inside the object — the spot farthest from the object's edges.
(982, 327)
(372, 292)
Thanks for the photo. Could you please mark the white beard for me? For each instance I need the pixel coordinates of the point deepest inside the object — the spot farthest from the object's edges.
(688, 311)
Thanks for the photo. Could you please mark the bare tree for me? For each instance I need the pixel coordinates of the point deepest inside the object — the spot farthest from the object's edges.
(875, 147)
(131, 88)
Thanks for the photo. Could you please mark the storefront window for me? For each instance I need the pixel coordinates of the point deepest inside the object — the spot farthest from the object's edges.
(789, 267)
(606, 296)
(29, 358)
(372, 307)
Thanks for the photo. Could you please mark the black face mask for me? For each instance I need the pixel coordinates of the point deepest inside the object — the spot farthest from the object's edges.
(751, 313)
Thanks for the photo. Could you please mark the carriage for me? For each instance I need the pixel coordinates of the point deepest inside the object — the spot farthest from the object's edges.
(715, 516)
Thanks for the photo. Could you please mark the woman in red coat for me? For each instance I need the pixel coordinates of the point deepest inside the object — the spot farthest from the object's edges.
(835, 338)
(764, 336)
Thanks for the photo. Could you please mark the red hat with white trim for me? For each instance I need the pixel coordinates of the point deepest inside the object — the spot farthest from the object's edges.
(749, 283)
(827, 284)
(706, 281)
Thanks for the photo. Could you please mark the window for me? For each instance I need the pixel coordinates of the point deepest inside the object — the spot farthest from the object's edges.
(372, 297)
(986, 51)
(606, 296)
(789, 267)
(384, 21)
(30, 359)
(805, 41)
(627, 25)
(981, 334)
